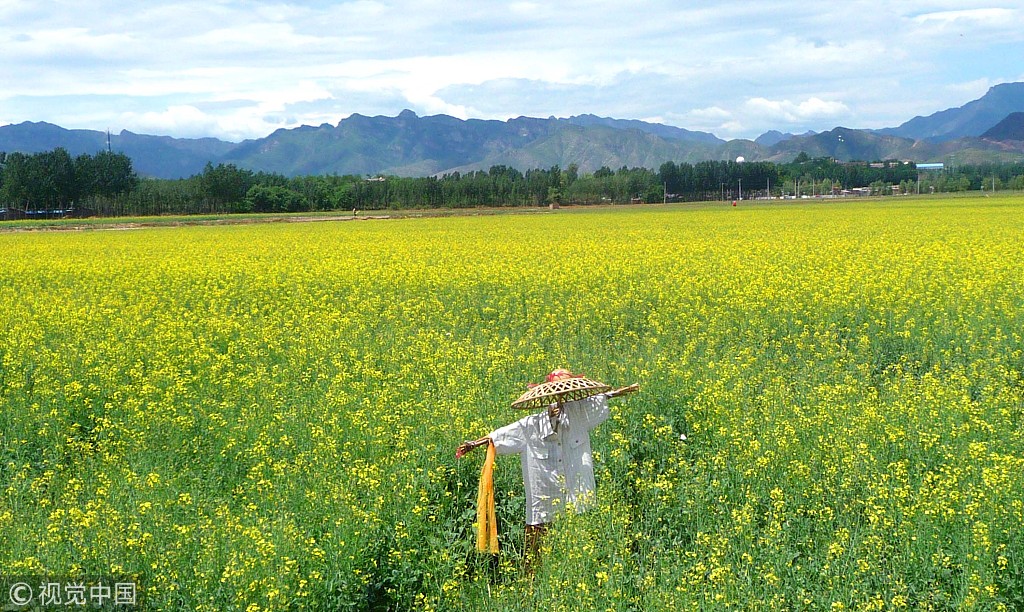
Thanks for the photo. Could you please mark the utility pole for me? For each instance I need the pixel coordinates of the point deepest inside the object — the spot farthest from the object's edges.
(741, 189)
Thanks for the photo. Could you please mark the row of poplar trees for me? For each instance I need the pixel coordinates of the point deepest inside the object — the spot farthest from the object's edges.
(55, 181)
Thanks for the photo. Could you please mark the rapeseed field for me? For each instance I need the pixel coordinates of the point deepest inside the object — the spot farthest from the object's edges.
(263, 417)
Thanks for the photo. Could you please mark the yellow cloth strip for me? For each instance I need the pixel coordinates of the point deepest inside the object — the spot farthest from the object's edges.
(487, 524)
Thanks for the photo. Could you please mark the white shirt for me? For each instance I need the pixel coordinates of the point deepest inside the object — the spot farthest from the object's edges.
(557, 465)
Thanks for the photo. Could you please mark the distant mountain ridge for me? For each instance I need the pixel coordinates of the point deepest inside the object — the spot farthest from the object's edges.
(971, 119)
(409, 145)
(774, 137)
(658, 129)
(159, 156)
(1010, 128)
(405, 145)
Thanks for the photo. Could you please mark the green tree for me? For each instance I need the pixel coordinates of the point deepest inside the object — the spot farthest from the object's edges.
(41, 181)
(16, 180)
(271, 198)
(60, 187)
(654, 194)
(670, 177)
(571, 174)
(105, 174)
(554, 196)
(223, 185)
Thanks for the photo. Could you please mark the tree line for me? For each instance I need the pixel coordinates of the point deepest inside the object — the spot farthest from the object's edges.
(54, 181)
(106, 184)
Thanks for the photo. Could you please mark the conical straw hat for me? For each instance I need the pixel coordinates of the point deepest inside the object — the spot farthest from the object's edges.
(560, 391)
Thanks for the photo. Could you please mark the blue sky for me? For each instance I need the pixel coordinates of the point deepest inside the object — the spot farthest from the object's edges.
(238, 69)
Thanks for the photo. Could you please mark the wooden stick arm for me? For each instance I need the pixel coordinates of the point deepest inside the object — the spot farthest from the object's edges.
(469, 445)
(624, 390)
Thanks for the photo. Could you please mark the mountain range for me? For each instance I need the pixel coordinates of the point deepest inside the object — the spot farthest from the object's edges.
(1009, 129)
(984, 130)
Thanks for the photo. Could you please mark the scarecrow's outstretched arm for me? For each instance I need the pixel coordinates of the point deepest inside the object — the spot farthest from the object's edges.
(469, 445)
(624, 390)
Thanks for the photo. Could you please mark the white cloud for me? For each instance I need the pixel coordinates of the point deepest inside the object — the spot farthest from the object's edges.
(715, 119)
(755, 116)
(185, 120)
(526, 8)
(711, 113)
(230, 118)
(731, 129)
(987, 16)
(795, 112)
(966, 31)
(972, 89)
(278, 98)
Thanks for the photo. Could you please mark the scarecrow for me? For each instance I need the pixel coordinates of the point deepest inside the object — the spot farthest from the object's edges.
(554, 447)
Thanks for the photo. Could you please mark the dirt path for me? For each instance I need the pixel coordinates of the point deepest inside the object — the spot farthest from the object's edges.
(114, 225)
